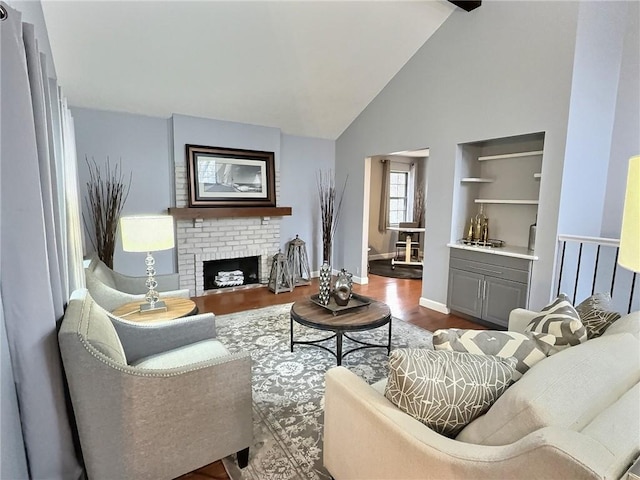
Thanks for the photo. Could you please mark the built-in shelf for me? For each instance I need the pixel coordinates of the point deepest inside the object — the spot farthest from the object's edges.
(510, 155)
(537, 175)
(507, 202)
(226, 212)
(477, 180)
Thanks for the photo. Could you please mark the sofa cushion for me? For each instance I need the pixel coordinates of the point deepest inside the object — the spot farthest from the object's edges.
(629, 323)
(618, 427)
(527, 348)
(446, 390)
(566, 390)
(179, 357)
(595, 315)
(101, 334)
(560, 319)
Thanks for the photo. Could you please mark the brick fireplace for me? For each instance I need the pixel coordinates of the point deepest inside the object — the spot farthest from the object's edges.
(206, 239)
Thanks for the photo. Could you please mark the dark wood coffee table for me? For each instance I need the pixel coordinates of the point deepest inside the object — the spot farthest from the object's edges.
(368, 317)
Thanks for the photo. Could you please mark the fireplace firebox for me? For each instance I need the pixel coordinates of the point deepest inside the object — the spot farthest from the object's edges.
(231, 272)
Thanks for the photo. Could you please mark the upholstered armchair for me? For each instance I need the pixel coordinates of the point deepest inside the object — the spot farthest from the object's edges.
(153, 401)
(112, 289)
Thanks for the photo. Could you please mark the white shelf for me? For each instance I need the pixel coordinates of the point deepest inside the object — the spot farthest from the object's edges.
(537, 175)
(510, 155)
(507, 202)
(477, 180)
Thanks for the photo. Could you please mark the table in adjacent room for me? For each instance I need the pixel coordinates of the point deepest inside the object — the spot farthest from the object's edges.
(177, 307)
(374, 315)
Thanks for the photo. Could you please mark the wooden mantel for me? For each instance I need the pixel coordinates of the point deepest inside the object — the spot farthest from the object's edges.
(220, 212)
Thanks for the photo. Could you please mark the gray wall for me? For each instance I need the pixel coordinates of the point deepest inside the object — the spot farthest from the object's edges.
(141, 145)
(504, 69)
(301, 160)
(596, 70)
(148, 145)
(626, 127)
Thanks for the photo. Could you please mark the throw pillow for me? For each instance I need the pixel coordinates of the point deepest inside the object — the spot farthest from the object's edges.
(595, 315)
(446, 390)
(527, 348)
(562, 321)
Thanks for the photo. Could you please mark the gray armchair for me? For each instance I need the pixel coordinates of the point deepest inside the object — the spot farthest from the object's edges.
(153, 401)
(112, 289)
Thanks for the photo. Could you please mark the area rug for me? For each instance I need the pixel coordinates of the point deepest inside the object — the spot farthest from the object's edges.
(288, 387)
(383, 268)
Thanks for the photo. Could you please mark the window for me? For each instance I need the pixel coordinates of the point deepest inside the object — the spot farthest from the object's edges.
(398, 189)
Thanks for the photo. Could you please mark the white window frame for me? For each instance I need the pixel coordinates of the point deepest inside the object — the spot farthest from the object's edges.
(409, 169)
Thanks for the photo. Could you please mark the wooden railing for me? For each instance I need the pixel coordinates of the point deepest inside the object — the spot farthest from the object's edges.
(590, 264)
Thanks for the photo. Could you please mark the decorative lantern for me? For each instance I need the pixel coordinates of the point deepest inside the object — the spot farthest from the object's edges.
(280, 278)
(298, 262)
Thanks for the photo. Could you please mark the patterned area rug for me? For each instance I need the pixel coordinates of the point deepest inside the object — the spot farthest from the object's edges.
(288, 388)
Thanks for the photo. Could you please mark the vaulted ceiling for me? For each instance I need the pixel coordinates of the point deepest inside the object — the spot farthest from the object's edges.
(306, 67)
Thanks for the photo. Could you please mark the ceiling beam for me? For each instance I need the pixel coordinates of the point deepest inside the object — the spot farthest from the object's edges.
(467, 5)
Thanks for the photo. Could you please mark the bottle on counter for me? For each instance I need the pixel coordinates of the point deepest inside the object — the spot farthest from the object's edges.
(470, 230)
(484, 236)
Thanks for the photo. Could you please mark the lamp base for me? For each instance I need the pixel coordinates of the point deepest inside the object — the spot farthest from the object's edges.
(158, 306)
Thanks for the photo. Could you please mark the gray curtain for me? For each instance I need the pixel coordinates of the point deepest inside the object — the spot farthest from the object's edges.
(383, 219)
(37, 250)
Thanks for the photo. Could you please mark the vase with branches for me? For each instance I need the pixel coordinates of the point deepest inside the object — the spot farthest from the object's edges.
(330, 206)
(106, 195)
(419, 198)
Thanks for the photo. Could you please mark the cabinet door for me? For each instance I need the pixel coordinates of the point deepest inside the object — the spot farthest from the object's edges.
(465, 292)
(500, 297)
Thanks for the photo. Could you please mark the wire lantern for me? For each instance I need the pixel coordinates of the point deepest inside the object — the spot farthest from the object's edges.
(298, 262)
(280, 277)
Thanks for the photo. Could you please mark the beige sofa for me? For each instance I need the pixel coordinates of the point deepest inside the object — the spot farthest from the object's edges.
(574, 415)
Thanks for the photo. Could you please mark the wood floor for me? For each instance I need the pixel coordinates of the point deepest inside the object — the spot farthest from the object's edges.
(402, 296)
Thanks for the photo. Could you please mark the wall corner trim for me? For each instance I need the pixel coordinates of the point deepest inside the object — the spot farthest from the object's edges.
(433, 305)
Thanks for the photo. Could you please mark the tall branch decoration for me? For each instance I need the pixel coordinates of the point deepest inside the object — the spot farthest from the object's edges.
(106, 196)
(419, 206)
(329, 210)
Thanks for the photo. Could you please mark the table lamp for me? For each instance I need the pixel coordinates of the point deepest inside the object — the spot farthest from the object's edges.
(148, 233)
(629, 254)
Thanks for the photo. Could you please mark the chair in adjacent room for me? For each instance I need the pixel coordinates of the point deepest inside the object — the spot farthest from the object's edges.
(153, 401)
(401, 243)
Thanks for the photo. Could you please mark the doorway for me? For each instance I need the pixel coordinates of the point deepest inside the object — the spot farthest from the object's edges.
(396, 185)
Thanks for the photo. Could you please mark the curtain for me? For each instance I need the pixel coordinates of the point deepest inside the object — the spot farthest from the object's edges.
(383, 219)
(39, 216)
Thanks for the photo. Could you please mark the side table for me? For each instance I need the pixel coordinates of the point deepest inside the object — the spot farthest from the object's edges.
(176, 307)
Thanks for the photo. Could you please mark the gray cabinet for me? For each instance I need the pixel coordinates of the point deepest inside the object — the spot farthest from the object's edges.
(487, 286)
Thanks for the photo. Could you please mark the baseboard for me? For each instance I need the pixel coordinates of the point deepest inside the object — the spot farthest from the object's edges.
(381, 256)
(437, 306)
(358, 280)
(361, 280)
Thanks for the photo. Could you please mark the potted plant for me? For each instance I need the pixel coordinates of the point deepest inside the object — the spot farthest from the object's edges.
(105, 199)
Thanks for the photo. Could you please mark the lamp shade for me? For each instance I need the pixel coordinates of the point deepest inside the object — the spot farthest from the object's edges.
(147, 233)
(629, 256)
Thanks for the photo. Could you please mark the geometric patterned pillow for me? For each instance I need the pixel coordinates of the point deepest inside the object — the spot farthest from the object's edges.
(527, 348)
(446, 390)
(560, 319)
(595, 315)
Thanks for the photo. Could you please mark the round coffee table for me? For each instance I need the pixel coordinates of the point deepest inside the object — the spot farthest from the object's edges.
(307, 313)
(177, 307)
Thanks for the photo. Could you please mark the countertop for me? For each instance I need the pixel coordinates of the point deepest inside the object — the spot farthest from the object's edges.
(507, 251)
